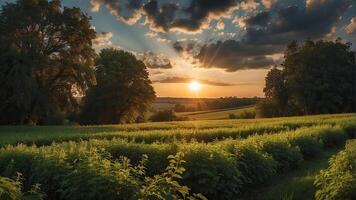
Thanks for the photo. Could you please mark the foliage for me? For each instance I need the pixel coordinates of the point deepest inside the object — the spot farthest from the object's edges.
(10, 189)
(243, 115)
(207, 162)
(77, 172)
(338, 181)
(123, 92)
(267, 108)
(202, 104)
(315, 77)
(164, 116)
(46, 58)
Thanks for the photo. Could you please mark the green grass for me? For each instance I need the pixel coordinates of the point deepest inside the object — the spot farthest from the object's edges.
(216, 114)
(296, 185)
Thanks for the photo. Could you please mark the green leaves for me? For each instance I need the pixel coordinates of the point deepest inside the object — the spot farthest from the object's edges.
(46, 57)
(123, 92)
(338, 181)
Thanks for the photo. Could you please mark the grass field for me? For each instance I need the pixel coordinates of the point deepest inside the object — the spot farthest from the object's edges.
(216, 114)
(213, 159)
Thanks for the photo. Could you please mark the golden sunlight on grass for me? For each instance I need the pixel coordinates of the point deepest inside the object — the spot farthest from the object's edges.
(194, 86)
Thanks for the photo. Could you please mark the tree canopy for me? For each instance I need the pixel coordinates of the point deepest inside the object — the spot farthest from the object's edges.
(315, 77)
(46, 58)
(123, 92)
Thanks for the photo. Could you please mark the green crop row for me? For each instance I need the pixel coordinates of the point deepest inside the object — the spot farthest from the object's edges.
(224, 169)
(164, 132)
(96, 169)
(338, 181)
(76, 172)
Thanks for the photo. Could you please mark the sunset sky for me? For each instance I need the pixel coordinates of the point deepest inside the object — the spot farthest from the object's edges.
(225, 45)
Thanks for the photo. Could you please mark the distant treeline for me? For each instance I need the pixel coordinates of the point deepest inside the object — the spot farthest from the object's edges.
(211, 104)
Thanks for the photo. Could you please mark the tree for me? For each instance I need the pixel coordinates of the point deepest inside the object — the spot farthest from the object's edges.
(46, 54)
(275, 88)
(316, 77)
(123, 92)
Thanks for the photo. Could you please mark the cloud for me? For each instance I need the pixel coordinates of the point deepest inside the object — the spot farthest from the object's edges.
(112, 5)
(175, 79)
(298, 23)
(167, 16)
(351, 28)
(220, 25)
(153, 60)
(102, 39)
(233, 55)
(260, 19)
(269, 3)
(268, 32)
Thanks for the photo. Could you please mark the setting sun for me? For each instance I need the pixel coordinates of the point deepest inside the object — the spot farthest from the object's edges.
(194, 86)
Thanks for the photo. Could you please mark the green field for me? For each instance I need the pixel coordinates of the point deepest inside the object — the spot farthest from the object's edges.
(216, 114)
(213, 159)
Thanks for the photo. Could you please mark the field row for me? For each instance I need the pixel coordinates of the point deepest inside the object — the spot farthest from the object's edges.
(338, 181)
(201, 131)
(218, 170)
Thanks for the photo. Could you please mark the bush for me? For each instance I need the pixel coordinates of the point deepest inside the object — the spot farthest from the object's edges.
(10, 189)
(338, 181)
(267, 108)
(76, 171)
(244, 115)
(165, 116)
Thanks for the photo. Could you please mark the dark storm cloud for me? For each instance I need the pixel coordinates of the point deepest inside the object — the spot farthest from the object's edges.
(175, 79)
(160, 17)
(268, 33)
(168, 15)
(297, 23)
(260, 18)
(199, 11)
(233, 55)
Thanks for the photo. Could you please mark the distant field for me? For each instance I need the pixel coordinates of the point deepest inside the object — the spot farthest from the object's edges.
(216, 114)
(219, 159)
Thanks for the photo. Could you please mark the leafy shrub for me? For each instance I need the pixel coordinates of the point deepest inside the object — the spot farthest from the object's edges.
(243, 115)
(212, 172)
(338, 181)
(10, 189)
(163, 116)
(77, 171)
(257, 167)
(267, 108)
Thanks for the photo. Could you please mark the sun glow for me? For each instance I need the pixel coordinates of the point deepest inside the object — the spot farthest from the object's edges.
(194, 86)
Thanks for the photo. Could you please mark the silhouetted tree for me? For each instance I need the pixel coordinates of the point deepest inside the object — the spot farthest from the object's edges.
(316, 77)
(45, 58)
(123, 92)
(275, 89)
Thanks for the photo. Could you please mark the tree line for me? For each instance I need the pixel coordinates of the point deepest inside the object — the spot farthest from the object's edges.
(220, 103)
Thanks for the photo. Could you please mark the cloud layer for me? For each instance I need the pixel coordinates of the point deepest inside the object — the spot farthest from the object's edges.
(269, 31)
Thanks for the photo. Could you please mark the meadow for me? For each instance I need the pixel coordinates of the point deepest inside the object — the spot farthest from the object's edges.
(200, 159)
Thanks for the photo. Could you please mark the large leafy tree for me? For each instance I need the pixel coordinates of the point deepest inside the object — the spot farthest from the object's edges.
(123, 92)
(45, 58)
(316, 77)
